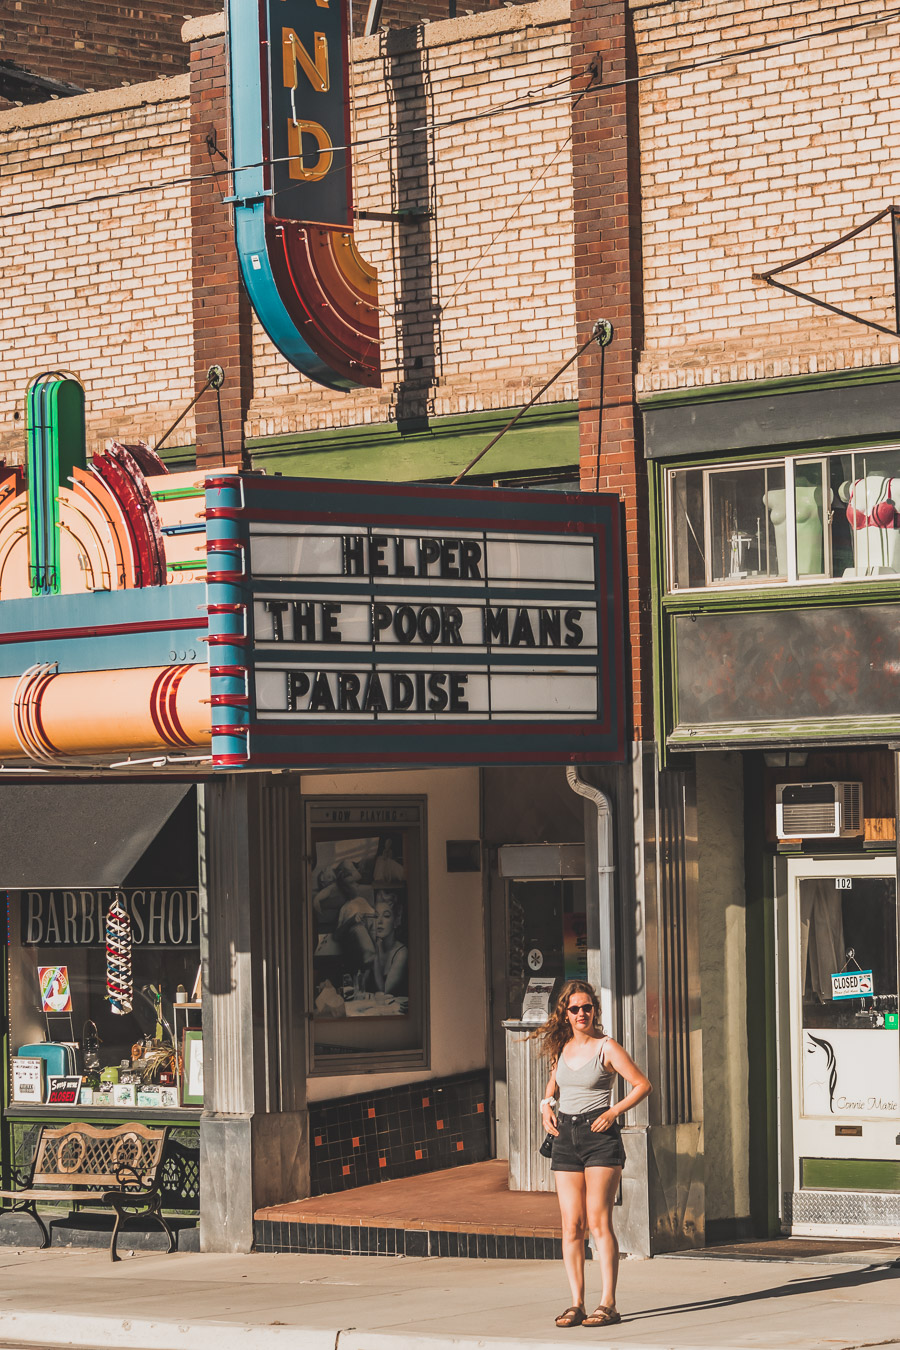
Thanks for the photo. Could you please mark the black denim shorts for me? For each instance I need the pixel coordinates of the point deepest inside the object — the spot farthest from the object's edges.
(577, 1146)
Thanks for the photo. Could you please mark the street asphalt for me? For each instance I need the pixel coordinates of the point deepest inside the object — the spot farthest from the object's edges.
(151, 1301)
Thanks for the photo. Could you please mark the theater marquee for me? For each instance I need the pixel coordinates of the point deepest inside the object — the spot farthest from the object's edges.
(383, 624)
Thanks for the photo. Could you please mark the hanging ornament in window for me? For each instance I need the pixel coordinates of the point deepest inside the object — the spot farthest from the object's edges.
(118, 959)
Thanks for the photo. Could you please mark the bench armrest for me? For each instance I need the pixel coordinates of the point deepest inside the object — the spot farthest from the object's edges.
(132, 1182)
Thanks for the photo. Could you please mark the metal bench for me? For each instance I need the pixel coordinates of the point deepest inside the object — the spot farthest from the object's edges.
(114, 1167)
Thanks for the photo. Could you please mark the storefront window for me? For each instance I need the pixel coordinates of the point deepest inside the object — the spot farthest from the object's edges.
(367, 921)
(547, 935)
(808, 518)
(849, 1014)
(61, 985)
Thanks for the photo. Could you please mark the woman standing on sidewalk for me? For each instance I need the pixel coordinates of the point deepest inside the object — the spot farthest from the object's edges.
(588, 1155)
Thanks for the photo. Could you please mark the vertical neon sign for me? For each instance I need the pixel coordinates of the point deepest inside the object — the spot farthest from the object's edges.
(293, 203)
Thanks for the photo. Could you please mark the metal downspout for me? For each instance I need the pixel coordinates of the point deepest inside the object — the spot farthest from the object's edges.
(602, 950)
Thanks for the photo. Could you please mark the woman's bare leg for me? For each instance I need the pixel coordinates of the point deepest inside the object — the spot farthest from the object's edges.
(601, 1185)
(570, 1192)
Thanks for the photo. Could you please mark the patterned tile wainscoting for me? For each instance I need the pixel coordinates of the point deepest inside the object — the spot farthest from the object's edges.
(400, 1132)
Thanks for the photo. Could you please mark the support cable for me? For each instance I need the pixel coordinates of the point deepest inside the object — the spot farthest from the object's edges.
(601, 333)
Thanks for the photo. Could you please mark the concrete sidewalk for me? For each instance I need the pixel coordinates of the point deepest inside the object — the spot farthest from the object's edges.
(271, 1302)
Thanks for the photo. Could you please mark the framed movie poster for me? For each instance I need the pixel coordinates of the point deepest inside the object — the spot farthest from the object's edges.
(365, 894)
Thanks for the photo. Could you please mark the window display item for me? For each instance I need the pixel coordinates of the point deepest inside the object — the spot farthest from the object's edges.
(56, 993)
(110, 1074)
(28, 1079)
(90, 1047)
(124, 1094)
(86, 1096)
(58, 1057)
(119, 988)
(63, 1091)
(103, 1098)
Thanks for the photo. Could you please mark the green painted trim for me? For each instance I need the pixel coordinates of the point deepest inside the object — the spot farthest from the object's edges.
(175, 494)
(813, 596)
(546, 437)
(762, 1094)
(850, 1174)
(790, 384)
(746, 735)
(178, 457)
(660, 654)
(187, 566)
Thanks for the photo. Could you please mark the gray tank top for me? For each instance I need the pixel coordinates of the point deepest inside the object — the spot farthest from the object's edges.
(584, 1090)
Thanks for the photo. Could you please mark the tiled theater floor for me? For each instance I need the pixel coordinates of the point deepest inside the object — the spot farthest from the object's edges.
(465, 1211)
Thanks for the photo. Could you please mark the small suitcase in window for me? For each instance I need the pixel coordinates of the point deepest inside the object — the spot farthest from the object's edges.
(58, 1057)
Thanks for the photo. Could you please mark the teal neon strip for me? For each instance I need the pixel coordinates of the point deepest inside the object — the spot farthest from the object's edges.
(250, 192)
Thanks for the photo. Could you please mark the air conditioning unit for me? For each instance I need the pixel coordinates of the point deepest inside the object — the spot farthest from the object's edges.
(818, 810)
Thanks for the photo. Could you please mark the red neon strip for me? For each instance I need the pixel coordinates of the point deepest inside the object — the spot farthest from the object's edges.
(230, 701)
(225, 609)
(227, 640)
(172, 705)
(108, 630)
(155, 707)
(237, 672)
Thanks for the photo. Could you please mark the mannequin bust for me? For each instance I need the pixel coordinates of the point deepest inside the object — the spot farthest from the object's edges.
(874, 525)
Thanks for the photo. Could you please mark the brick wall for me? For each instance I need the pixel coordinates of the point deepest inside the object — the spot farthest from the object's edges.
(465, 325)
(103, 289)
(754, 161)
(606, 191)
(95, 44)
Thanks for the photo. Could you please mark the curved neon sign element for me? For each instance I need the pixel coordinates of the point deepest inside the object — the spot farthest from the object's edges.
(293, 215)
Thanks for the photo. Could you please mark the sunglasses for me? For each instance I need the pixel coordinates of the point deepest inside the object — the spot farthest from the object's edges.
(575, 1008)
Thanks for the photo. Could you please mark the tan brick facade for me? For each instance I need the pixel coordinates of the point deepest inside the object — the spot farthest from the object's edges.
(753, 161)
(104, 290)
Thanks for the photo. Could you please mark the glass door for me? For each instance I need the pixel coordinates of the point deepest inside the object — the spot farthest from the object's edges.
(843, 1016)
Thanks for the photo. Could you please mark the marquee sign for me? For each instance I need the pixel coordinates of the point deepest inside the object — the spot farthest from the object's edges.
(384, 624)
(293, 208)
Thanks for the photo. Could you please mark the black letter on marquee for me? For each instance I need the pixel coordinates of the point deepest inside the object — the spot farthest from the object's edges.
(548, 620)
(457, 691)
(574, 630)
(348, 689)
(374, 699)
(438, 700)
(321, 699)
(354, 547)
(330, 630)
(276, 608)
(402, 692)
(522, 630)
(470, 557)
(496, 626)
(297, 688)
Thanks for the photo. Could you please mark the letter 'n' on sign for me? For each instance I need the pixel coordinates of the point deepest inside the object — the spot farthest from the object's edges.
(293, 193)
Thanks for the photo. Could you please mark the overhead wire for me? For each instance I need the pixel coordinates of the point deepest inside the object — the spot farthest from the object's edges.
(513, 105)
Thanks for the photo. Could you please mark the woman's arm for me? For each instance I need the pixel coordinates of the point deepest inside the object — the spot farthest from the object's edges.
(396, 976)
(619, 1060)
(548, 1114)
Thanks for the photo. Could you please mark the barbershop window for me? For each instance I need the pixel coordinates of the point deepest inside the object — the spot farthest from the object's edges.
(808, 518)
(366, 909)
(112, 1028)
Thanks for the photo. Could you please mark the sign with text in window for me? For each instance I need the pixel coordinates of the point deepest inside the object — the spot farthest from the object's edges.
(852, 984)
(372, 623)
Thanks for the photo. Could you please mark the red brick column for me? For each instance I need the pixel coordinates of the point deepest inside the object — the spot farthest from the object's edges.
(605, 151)
(222, 332)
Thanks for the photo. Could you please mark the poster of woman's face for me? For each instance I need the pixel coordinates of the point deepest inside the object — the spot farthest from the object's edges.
(359, 909)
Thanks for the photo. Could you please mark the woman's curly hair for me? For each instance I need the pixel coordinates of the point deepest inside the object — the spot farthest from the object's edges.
(556, 1031)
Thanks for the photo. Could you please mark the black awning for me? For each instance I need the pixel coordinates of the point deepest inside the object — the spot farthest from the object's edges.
(56, 836)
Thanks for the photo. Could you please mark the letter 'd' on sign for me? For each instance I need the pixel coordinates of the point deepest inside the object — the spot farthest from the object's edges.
(293, 193)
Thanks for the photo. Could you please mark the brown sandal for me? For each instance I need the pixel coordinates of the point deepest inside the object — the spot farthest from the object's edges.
(602, 1317)
(572, 1317)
